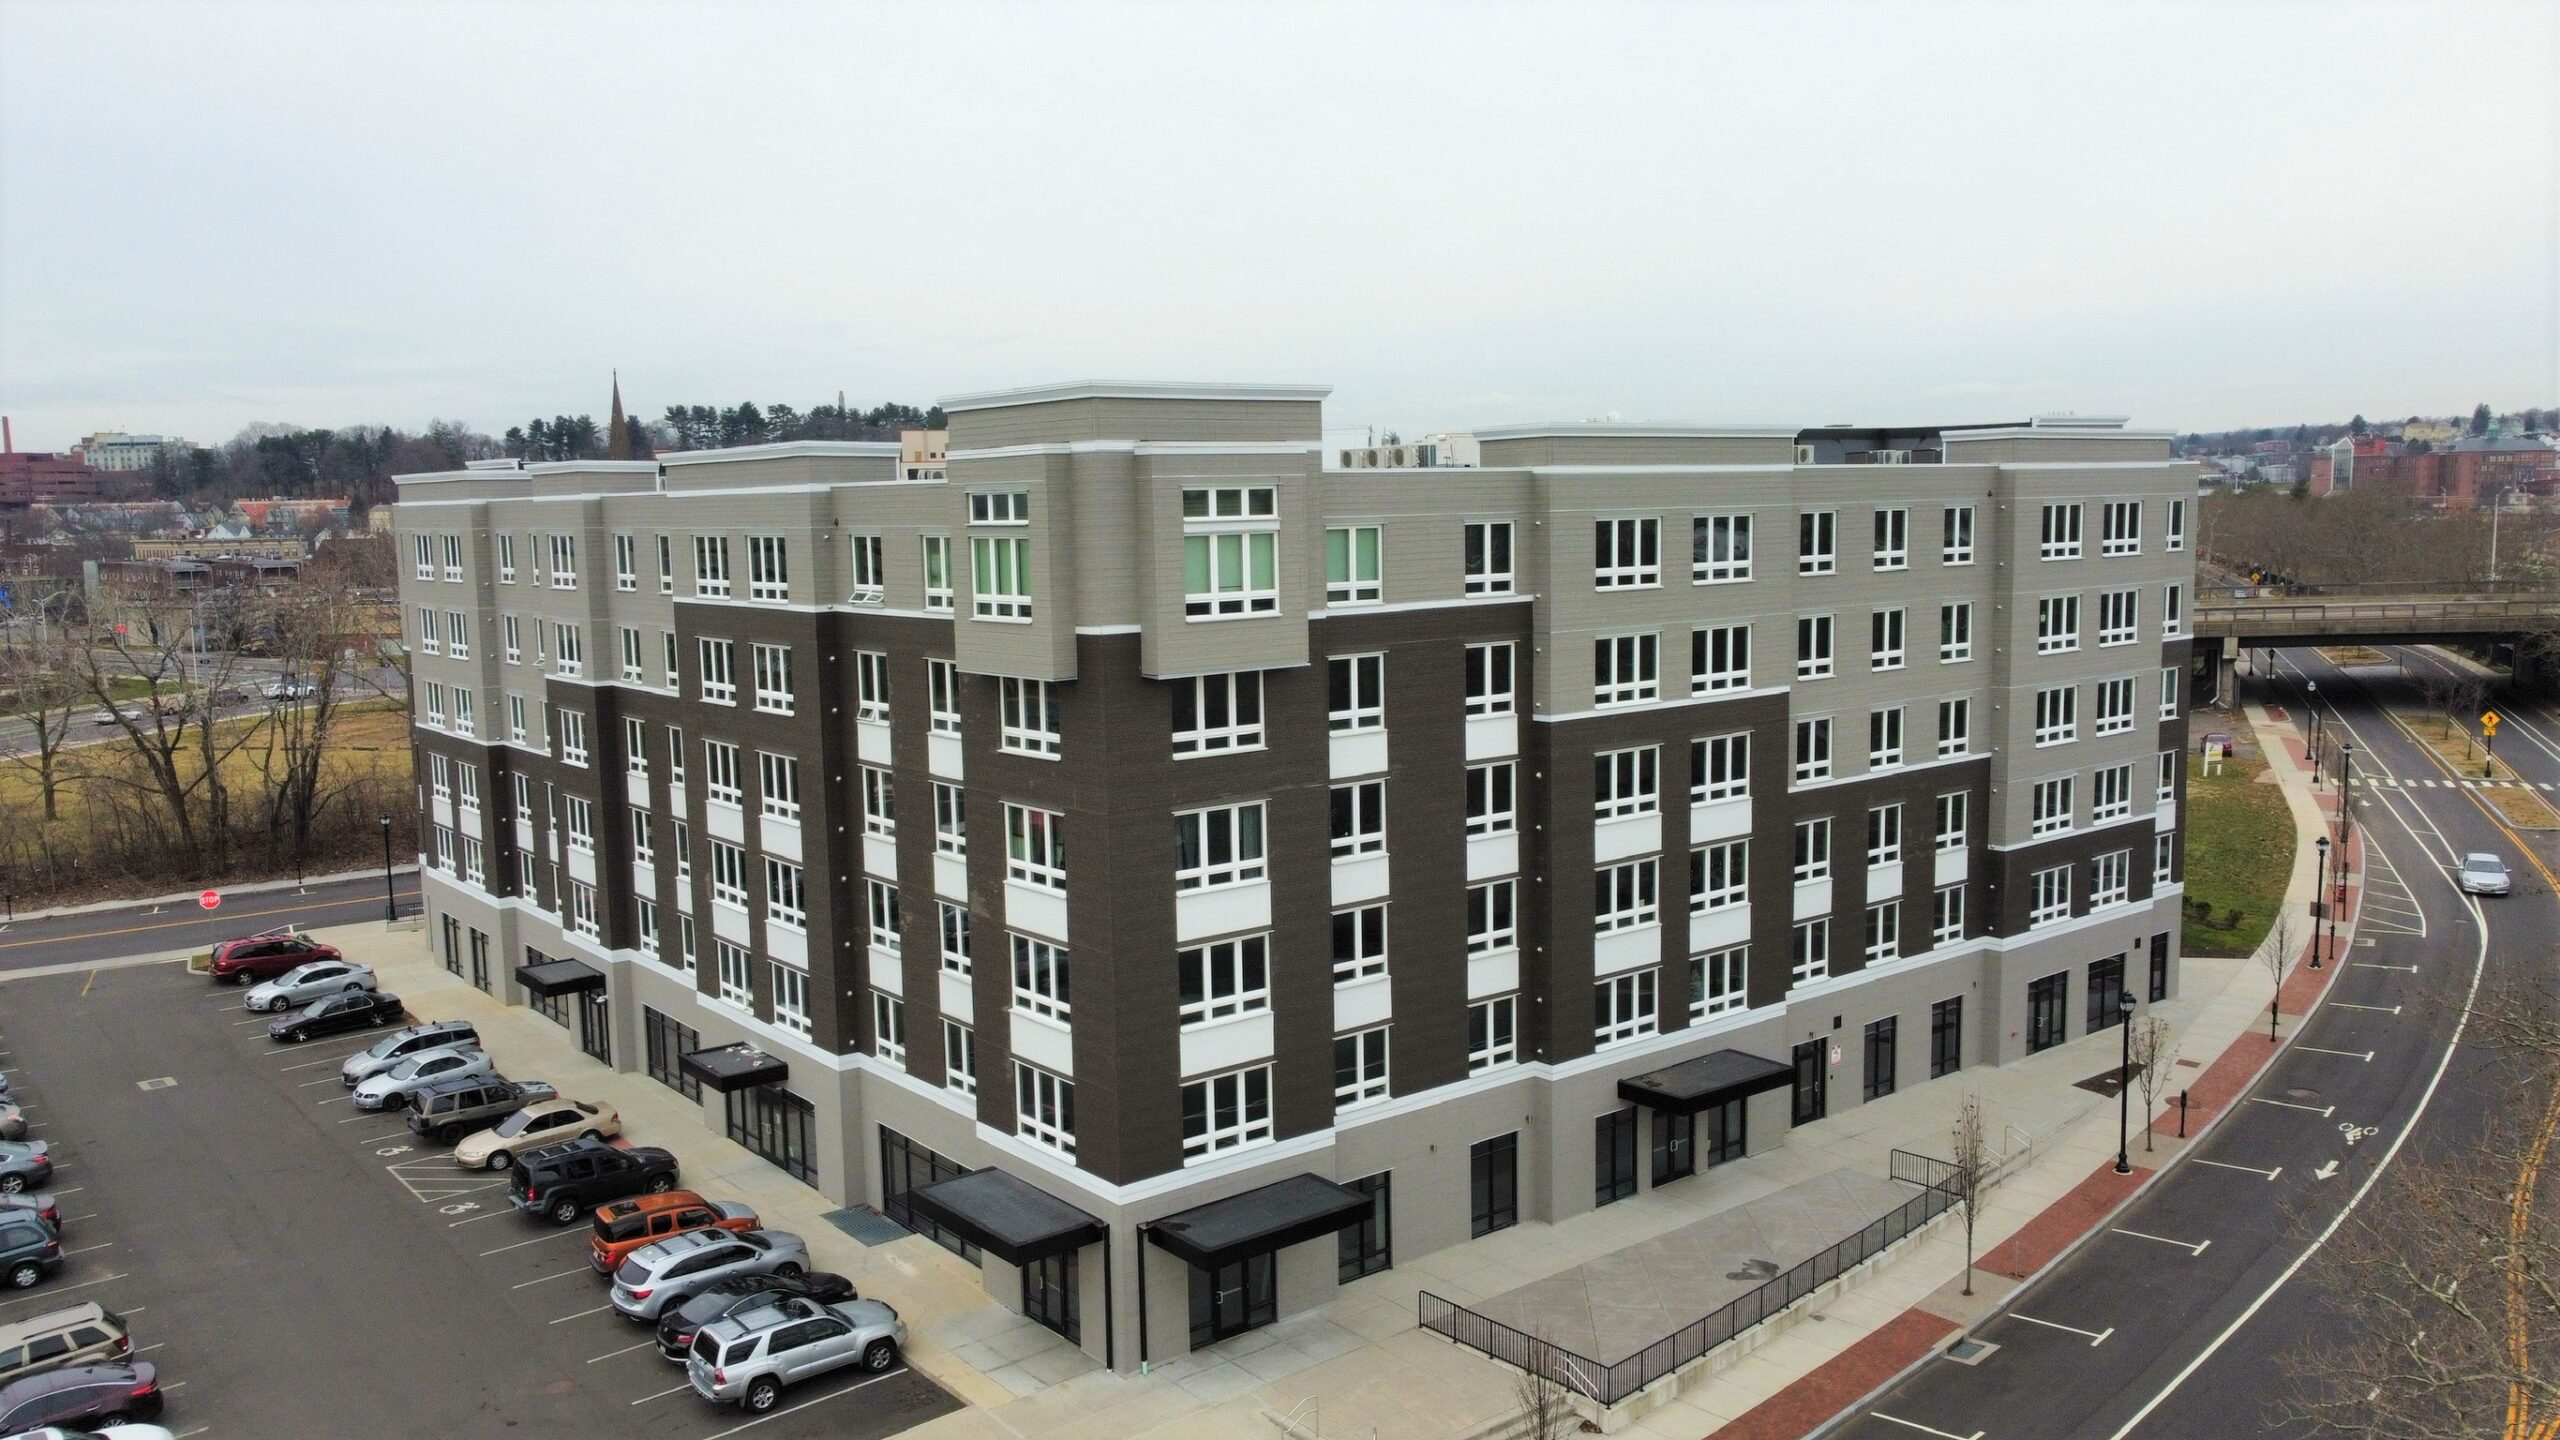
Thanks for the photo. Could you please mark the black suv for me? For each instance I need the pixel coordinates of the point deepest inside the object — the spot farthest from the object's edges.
(566, 1181)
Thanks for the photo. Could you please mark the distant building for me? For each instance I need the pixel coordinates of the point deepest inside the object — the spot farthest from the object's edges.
(28, 477)
(1447, 449)
(116, 452)
(213, 548)
(2434, 432)
(2457, 475)
(922, 454)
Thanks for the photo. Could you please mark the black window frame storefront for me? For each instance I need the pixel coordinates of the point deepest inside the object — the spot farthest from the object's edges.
(554, 1007)
(1050, 1298)
(756, 1111)
(1370, 1246)
(2106, 982)
(1883, 1041)
(1675, 1147)
(667, 1041)
(2159, 967)
(1253, 1281)
(1946, 1038)
(899, 1159)
(2052, 991)
(1809, 1094)
(1493, 1184)
(595, 1025)
(1614, 1148)
(453, 946)
(1728, 1131)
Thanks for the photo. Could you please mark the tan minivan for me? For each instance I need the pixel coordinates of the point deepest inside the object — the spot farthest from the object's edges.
(89, 1334)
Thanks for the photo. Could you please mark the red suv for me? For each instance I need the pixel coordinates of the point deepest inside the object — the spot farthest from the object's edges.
(264, 957)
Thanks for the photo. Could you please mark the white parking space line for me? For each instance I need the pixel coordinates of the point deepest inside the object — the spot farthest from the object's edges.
(332, 1060)
(147, 1349)
(2366, 965)
(2377, 1009)
(2096, 1338)
(2364, 1055)
(2247, 1169)
(547, 1279)
(663, 1394)
(2192, 1247)
(492, 1215)
(625, 1350)
(359, 1115)
(258, 1019)
(76, 1219)
(59, 1289)
(876, 1379)
(74, 1190)
(378, 1139)
(85, 1249)
(582, 1314)
(536, 1240)
(2323, 1111)
(192, 1434)
(323, 1080)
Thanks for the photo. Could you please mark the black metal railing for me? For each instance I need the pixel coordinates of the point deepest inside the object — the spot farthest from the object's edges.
(1611, 1383)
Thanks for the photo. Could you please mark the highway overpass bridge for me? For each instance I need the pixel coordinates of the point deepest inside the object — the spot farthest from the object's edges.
(2231, 619)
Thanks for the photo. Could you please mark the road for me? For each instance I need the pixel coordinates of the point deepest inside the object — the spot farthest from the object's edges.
(142, 930)
(2171, 1322)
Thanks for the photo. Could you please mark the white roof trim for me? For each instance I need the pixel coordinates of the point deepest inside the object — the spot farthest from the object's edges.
(1140, 447)
(1599, 431)
(2055, 432)
(785, 450)
(1131, 390)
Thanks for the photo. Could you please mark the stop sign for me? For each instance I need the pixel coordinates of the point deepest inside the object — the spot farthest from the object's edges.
(211, 899)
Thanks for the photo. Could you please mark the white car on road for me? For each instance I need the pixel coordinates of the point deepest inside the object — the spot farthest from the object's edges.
(2483, 874)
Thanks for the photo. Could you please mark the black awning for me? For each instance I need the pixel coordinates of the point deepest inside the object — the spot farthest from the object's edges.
(1009, 1218)
(1256, 1222)
(550, 978)
(1710, 1079)
(728, 1068)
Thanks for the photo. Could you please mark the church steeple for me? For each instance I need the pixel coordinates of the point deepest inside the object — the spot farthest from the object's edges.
(618, 437)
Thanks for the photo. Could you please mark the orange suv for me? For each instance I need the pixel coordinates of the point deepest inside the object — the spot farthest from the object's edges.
(626, 1225)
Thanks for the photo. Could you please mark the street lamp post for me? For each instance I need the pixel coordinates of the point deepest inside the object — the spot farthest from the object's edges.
(2323, 844)
(2346, 802)
(2124, 1095)
(391, 896)
(2311, 702)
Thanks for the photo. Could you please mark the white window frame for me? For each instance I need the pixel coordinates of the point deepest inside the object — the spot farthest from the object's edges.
(871, 686)
(571, 642)
(2120, 528)
(1719, 981)
(1225, 713)
(1367, 1058)
(2164, 858)
(1234, 979)
(1041, 978)
(1234, 1110)
(1893, 538)
(1000, 577)
(1884, 834)
(2110, 793)
(885, 917)
(1028, 717)
(1720, 876)
(879, 802)
(1813, 749)
(1626, 553)
(2058, 531)
(2173, 531)
(512, 629)
(773, 679)
(2050, 896)
(2169, 683)
(950, 820)
(1884, 738)
(1720, 768)
(1884, 931)
(1812, 856)
(1493, 798)
(888, 1021)
(1888, 636)
(1353, 586)
(1364, 804)
(718, 670)
(2111, 706)
(2057, 624)
(942, 696)
(999, 507)
(1720, 549)
(1227, 846)
(1626, 782)
(1501, 1029)
(1955, 632)
(1493, 917)
(1946, 915)
(952, 927)
(735, 985)
(870, 557)
(1355, 692)
(2057, 715)
(1955, 727)
(666, 565)
(1626, 1007)
(768, 569)
(2050, 803)
(711, 566)
(2173, 611)
(1488, 692)
(1954, 821)
(1626, 896)
(626, 560)
(1810, 956)
(1479, 542)
(940, 593)
(1359, 943)
(1626, 669)
(1817, 542)
(2110, 878)
(2119, 617)
(564, 562)
(573, 737)
(721, 781)
(1955, 535)
(1044, 1107)
(1035, 847)
(786, 895)
(1720, 659)
(1817, 650)
(729, 875)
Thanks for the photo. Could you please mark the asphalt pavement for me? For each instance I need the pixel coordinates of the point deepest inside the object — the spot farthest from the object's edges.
(148, 930)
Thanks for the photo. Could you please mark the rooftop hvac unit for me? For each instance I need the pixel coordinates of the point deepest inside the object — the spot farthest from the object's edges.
(1893, 457)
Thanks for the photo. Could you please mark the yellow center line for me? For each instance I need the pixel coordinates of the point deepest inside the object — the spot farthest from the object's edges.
(190, 920)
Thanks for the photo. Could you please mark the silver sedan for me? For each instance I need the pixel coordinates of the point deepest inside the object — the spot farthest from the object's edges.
(393, 1088)
(305, 983)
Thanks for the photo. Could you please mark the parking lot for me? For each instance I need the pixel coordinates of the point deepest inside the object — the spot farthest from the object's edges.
(296, 1267)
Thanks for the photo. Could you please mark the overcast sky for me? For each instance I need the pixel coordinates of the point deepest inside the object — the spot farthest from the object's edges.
(2224, 214)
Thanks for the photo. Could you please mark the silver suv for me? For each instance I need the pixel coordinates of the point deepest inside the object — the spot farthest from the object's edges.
(747, 1359)
(674, 1270)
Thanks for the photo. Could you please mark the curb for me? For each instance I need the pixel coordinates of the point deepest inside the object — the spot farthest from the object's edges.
(260, 887)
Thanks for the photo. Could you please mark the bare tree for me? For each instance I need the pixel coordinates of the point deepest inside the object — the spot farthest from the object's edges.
(1969, 1173)
(1546, 1408)
(174, 753)
(2276, 953)
(330, 641)
(38, 673)
(2155, 1049)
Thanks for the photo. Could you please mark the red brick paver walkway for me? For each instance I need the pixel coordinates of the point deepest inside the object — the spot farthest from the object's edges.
(1796, 1410)
(2062, 1222)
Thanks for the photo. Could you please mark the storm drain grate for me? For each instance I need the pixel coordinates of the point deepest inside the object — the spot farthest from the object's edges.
(165, 1082)
(1970, 1351)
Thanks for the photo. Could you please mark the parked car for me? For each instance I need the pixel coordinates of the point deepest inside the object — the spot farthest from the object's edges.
(98, 1432)
(626, 1225)
(39, 1203)
(24, 1165)
(264, 957)
(332, 1014)
(13, 1121)
(84, 1334)
(115, 715)
(566, 1181)
(449, 1110)
(305, 983)
(391, 1089)
(721, 1299)
(2484, 874)
(674, 1270)
(30, 1249)
(80, 1396)
(547, 1122)
(749, 1359)
(400, 1044)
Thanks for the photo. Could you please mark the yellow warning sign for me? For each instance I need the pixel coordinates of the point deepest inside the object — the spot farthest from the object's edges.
(2488, 719)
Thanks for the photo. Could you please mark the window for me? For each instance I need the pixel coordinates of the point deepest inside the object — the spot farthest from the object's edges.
(1814, 660)
(440, 776)
(1213, 714)
(2165, 777)
(424, 546)
(684, 874)
(666, 565)
(879, 802)
(941, 696)
(1369, 1246)
(516, 717)
(2111, 707)
(429, 632)
(645, 925)
(888, 1021)
(950, 820)
(1716, 982)
(773, 679)
(1884, 738)
(2052, 807)
(1719, 659)
(626, 564)
(871, 686)
(2117, 617)
(2173, 612)
(1884, 931)
(463, 723)
(643, 840)
(523, 786)
(1813, 850)
(635, 748)
(870, 570)
(2111, 878)
(728, 875)
(1035, 847)
(1492, 917)
(1359, 819)
(582, 901)
(2057, 624)
(1885, 649)
(2169, 693)
(1359, 1067)
(1040, 978)
(1955, 632)
(2059, 534)
(511, 636)
(1813, 749)
(719, 671)
(573, 737)
(1812, 958)
(1946, 915)
(1955, 535)
(711, 565)
(667, 656)
(768, 569)
(1488, 557)
(2164, 858)
(1492, 793)
(1493, 1033)
(564, 563)
(2057, 715)
(1000, 575)
(1625, 896)
(432, 713)
(1356, 692)
(1720, 549)
(1720, 768)
(1719, 876)
(1884, 835)
(887, 916)
(1028, 715)
(1000, 507)
(938, 597)
(1955, 727)
(1893, 539)
(1952, 821)
(570, 643)
(1626, 553)
(1817, 543)
(720, 773)
(1044, 1109)
(786, 894)
(451, 545)
(1213, 848)
(1493, 1184)
(1359, 943)
(1626, 782)
(1946, 1038)
(959, 1057)
(2051, 896)
(1351, 565)
(635, 665)
(1882, 1039)
(1226, 1112)
(2120, 528)
(2173, 535)
(1225, 979)
(953, 928)
(1489, 689)
(1229, 547)
(1625, 1007)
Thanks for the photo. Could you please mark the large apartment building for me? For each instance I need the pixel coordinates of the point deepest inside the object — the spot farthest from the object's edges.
(1184, 878)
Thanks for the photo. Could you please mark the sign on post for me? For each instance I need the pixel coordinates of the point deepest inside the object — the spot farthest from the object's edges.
(2489, 721)
(210, 900)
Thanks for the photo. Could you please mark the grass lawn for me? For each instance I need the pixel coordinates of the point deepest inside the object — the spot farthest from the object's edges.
(2344, 655)
(371, 737)
(2239, 854)
(2458, 747)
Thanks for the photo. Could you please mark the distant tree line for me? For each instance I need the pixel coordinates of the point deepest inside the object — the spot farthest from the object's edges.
(2482, 421)
(704, 427)
(298, 462)
(2378, 532)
